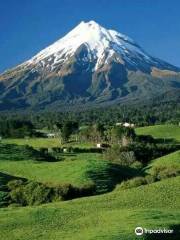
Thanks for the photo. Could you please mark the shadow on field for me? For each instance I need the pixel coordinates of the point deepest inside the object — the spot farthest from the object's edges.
(13, 152)
(5, 178)
(165, 236)
(107, 180)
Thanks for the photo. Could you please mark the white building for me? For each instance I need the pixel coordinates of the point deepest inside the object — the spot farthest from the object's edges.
(126, 124)
(51, 135)
(98, 145)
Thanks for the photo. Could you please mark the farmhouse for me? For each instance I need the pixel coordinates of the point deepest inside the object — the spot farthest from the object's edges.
(51, 135)
(102, 145)
(126, 124)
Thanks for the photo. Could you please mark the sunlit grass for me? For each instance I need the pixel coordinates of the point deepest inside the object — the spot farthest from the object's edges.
(110, 216)
(161, 131)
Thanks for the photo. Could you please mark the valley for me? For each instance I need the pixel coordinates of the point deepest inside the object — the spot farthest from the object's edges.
(138, 194)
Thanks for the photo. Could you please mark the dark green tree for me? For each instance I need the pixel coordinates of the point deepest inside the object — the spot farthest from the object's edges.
(67, 129)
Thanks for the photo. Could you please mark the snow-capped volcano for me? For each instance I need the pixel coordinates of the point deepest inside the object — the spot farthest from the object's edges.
(89, 64)
(96, 38)
(101, 45)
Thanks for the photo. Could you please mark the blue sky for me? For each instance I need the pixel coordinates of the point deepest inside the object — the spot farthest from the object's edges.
(27, 26)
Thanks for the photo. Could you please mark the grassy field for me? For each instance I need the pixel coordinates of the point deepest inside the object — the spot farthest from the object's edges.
(111, 216)
(72, 170)
(77, 169)
(161, 131)
(44, 142)
(34, 142)
(170, 160)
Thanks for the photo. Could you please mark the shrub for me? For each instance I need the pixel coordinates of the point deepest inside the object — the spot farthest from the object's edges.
(137, 165)
(144, 152)
(117, 155)
(28, 193)
(64, 192)
(127, 158)
(34, 193)
(14, 184)
(165, 172)
(17, 196)
(159, 173)
(67, 191)
(135, 182)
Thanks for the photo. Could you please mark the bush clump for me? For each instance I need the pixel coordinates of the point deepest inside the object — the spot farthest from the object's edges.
(135, 182)
(159, 173)
(136, 165)
(162, 172)
(117, 155)
(27, 193)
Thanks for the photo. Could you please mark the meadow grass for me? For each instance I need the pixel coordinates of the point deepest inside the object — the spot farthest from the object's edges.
(170, 160)
(34, 142)
(77, 169)
(166, 131)
(111, 216)
(44, 143)
(72, 168)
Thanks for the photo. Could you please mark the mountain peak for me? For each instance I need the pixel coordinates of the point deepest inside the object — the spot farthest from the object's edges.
(97, 39)
(101, 46)
(90, 23)
(90, 64)
(90, 28)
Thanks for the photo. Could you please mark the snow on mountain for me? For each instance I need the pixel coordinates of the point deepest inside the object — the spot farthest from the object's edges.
(100, 42)
(90, 65)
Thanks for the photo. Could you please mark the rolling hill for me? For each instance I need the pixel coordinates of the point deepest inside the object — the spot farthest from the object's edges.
(113, 216)
(164, 131)
(171, 160)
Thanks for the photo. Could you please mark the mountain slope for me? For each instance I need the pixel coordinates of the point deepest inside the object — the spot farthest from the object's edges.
(90, 65)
